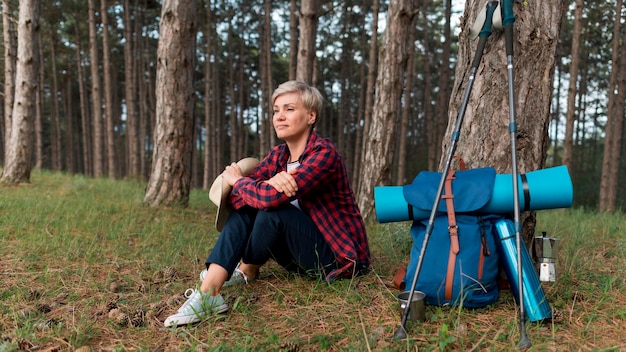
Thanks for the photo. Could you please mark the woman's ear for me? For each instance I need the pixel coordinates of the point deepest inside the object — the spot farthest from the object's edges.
(312, 118)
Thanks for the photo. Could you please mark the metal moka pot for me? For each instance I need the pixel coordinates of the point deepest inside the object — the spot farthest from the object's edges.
(545, 250)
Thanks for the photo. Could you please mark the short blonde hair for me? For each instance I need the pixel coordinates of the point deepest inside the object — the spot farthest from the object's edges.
(311, 97)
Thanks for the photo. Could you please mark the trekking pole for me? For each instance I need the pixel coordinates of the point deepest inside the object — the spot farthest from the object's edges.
(484, 34)
(507, 21)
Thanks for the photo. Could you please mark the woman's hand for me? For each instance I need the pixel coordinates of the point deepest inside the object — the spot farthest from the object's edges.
(231, 174)
(284, 182)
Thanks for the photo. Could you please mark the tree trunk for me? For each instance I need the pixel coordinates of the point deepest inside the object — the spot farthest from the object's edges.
(407, 107)
(209, 138)
(293, 38)
(266, 84)
(358, 133)
(55, 123)
(485, 137)
(369, 92)
(568, 143)
(615, 120)
(169, 182)
(39, 107)
(20, 146)
(84, 111)
(431, 138)
(380, 144)
(306, 44)
(443, 97)
(70, 153)
(130, 94)
(96, 99)
(8, 33)
(108, 92)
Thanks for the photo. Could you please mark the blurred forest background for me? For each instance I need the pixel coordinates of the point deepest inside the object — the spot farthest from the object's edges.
(95, 106)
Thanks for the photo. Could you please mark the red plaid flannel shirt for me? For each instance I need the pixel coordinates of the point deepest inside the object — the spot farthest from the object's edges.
(324, 194)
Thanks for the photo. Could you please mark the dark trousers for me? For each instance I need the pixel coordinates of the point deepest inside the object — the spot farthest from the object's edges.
(284, 234)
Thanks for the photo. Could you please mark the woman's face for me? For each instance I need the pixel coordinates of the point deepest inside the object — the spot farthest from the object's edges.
(292, 120)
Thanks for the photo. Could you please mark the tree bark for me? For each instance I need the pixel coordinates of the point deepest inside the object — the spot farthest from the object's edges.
(306, 44)
(369, 92)
(570, 118)
(84, 110)
(96, 99)
(20, 146)
(485, 137)
(130, 94)
(55, 121)
(615, 120)
(209, 139)
(380, 144)
(406, 108)
(169, 182)
(443, 97)
(293, 38)
(265, 123)
(8, 33)
(108, 93)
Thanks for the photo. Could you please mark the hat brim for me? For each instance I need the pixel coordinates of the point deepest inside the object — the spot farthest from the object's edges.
(220, 191)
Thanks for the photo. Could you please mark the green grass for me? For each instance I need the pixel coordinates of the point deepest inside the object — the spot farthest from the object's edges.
(84, 264)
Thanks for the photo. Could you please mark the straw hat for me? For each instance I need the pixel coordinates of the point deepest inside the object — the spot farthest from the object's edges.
(220, 190)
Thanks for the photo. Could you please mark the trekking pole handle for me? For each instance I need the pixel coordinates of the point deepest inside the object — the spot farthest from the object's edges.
(507, 22)
(485, 31)
(507, 13)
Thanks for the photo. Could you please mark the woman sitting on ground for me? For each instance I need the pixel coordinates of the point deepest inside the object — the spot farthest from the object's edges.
(296, 207)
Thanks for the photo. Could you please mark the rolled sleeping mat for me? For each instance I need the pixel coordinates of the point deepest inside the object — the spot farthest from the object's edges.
(549, 188)
(536, 305)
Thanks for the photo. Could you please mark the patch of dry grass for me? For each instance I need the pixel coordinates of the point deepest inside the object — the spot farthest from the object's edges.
(85, 266)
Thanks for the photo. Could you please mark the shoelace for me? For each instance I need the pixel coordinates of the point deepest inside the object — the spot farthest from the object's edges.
(244, 276)
(189, 293)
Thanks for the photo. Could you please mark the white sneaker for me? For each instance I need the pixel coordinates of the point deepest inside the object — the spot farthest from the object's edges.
(237, 278)
(197, 306)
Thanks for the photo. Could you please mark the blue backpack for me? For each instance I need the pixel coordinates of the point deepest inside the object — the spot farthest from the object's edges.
(460, 265)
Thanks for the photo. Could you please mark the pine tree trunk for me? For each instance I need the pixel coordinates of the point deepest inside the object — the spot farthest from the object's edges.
(293, 38)
(96, 99)
(265, 123)
(20, 147)
(84, 111)
(443, 97)
(306, 44)
(170, 179)
(39, 106)
(369, 93)
(70, 154)
(209, 139)
(381, 138)
(130, 94)
(568, 143)
(407, 107)
(108, 93)
(55, 129)
(615, 120)
(8, 33)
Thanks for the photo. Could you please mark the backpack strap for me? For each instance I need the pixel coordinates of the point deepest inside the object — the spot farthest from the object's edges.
(453, 230)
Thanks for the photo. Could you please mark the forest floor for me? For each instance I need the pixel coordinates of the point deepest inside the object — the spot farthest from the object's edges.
(85, 266)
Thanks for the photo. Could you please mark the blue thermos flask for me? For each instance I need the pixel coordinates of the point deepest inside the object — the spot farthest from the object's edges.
(536, 305)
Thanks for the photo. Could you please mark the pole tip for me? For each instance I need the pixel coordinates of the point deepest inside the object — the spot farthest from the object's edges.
(524, 343)
(400, 333)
